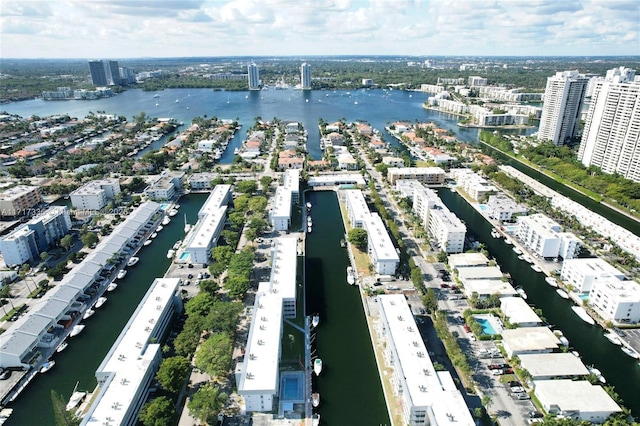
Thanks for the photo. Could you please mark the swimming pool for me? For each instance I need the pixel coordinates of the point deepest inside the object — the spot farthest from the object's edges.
(164, 206)
(489, 323)
(185, 256)
(291, 388)
(483, 207)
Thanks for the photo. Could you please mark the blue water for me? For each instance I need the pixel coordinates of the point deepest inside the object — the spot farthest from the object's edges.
(483, 207)
(290, 388)
(487, 328)
(185, 256)
(164, 206)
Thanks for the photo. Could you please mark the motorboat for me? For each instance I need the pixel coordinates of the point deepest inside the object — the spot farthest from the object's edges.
(584, 316)
(5, 413)
(315, 320)
(309, 221)
(495, 234)
(76, 398)
(121, 274)
(147, 242)
(522, 293)
(597, 373)
(508, 241)
(521, 257)
(309, 229)
(156, 95)
(152, 236)
(562, 293)
(315, 419)
(176, 246)
(88, 313)
(315, 399)
(613, 338)
(47, 366)
(308, 206)
(563, 340)
(551, 281)
(133, 260)
(528, 259)
(62, 346)
(166, 220)
(516, 250)
(159, 228)
(77, 329)
(171, 253)
(317, 366)
(351, 275)
(343, 243)
(112, 286)
(101, 301)
(536, 268)
(630, 352)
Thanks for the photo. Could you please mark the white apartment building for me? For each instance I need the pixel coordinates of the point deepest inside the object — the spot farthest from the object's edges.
(611, 137)
(582, 274)
(543, 236)
(17, 201)
(476, 80)
(424, 175)
(504, 209)
(202, 181)
(357, 208)
(472, 183)
(165, 186)
(428, 397)
(95, 195)
(220, 196)
(291, 181)
(452, 106)
(561, 109)
(280, 214)
(575, 399)
(443, 226)
(305, 76)
(616, 301)
(284, 261)
(381, 250)
(26, 242)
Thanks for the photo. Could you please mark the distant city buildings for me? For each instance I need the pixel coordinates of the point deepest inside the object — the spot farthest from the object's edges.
(305, 76)
(254, 76)
(561, 109)
(611, 136)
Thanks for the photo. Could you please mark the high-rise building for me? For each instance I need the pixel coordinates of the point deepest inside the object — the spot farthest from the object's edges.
(611, 137)
(561, 110)
(105, 73)
(305, 76)
(254, 76)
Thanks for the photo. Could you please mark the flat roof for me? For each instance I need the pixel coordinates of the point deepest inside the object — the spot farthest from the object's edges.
(530, 339)
(553, 365)
(356, 204)
(337, 179)
(261, 362)
(425, 387)
(462, 260)
(518, 311)
(284, 260)
(216, 198)
(489, 287)
(591, 266)
(291, 180)
(570, 395)
(480, 273)
(281, 203)
(205, 229)
(379, 239)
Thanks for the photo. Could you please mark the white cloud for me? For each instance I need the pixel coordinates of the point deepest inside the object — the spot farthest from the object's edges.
(118, 29)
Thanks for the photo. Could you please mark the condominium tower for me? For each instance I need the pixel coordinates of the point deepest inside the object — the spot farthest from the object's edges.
(305, 76)
(105, 73)
(254, 76)
(561, 110)
(611, 137)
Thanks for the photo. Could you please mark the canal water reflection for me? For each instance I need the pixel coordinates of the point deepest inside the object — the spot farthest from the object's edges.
(620, 370)
(349, 385)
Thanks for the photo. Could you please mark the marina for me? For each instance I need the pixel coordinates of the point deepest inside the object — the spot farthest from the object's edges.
(562, 294)
(584, 316)
(133, 261)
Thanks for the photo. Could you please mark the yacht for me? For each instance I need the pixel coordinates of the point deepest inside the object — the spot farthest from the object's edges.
(88, 313)
(159, 228)
(77, 329)
(563, 340)
(317, 366)
(351, 275)
(177, 100)
(112, 286)
(173, 212)
(315, 419)
(146, 243)
(176, 246)
(630, 352)
(613, 338)
(516, 250)
(597, 373)
(584, 316)
(132, 261)
(551, 281)
(315, 320)
(562, 293)
(308, 206)
(156, 95)
(166, 220)
(521, 292)
(536, 268)
(309, 229)
(75, 399)
(101, 301)
(47, 366)
(309, 221)
(121, 274)
(153, 235)
(315, 399)
(171, 253)
(62, 346)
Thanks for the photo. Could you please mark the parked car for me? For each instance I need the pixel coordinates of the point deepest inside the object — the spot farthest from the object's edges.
(533, 414)
(517, 389)
(522, 396)
(498, 367)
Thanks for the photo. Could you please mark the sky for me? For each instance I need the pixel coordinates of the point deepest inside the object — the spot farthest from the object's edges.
(181, 28)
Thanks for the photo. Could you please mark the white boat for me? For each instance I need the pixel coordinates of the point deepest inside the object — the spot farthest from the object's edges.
(309, 229)
(613, 338)
(112, 286)
(584, 316)
(495, 234)
(5, 413)
(187, 227)
(47, 366)
(309, 221)
(317, 366)
(236, 151)
(508, 241)
(171, 253)
(521, 257)
(562, 293)
(528, 259)
(536, 268)
(522, 293)
(598, 374)
(62, 346)
(166, 220)
(133, 260)
(101, 301)
(153, 235)
(75, 399)
(88, 313)
(176, 246)
(516, 250)
(563, 340)
(156, 95)
(315, 320)
(315, 399)
(121, 274)
(630, 352)
(315, 419)
(551, 281)
(147, 242)
(177, 100)
(172, 212)
(308, 206)
(351, 275)
(159, 228)
(77, 329)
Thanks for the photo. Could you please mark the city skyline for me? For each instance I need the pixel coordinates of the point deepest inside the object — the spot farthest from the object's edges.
(153, 28)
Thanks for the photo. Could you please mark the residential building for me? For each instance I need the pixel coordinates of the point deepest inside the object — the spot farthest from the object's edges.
(616, 301)
(529, 340)
(475, 80)
(19, 200)
(393, 161)
(125, 374)
(280, 214)
(162, 187)
(284, 261)
(543, 236)
(254, 76)
(338, 179)
(26, 242)
(519, 313)
(582, 274)
(427, 396)
(94, 195)
(305, 76)
(578, 400)
(104, 73)
(424, 175)
(382, 252)
(561, 109)
(611, 137)
(357, 208)
(291, 181)
(473, 184)
(444, 227)
(504, 209)
(485, 281)
(467, 260)
(562, 365)
(202, 181)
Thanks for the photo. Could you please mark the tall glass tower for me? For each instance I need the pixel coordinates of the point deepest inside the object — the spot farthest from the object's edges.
(305, 76)
(254, 76)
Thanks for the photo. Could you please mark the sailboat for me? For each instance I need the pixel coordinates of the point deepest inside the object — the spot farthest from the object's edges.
(187, 227)
(76, 398)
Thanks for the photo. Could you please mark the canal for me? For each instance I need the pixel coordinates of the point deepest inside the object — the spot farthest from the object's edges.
(78, 363)
(349, 385)
(620, 370)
